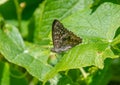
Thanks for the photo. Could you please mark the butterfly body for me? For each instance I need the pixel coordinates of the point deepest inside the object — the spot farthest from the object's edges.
(63, 39)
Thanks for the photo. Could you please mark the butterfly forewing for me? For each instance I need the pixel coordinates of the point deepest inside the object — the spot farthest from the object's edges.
(63, 39)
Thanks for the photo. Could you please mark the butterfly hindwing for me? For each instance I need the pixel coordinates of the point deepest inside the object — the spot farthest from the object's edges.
(63, 39)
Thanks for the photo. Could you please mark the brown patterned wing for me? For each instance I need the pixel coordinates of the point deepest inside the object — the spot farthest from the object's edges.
(63, 39)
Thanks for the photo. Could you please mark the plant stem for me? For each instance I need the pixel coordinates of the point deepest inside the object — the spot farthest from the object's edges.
(34, 81)
(83, 73)
(19, 13)
(115, 43)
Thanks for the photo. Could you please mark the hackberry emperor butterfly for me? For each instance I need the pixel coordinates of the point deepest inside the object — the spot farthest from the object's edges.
(63, 39)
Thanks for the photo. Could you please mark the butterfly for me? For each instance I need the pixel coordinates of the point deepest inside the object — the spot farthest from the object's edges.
(62, 38)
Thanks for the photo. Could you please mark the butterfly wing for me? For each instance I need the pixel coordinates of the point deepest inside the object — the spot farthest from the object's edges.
(63, 39)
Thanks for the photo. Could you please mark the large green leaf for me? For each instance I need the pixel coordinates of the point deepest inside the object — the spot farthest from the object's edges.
(97, 31)
(13, 49)
(50, 10)
(101, 24)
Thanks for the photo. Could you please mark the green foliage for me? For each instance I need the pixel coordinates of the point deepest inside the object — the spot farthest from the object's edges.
(25, 49)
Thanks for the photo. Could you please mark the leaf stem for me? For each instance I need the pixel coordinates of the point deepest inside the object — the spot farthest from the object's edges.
(115, 43)
(83, 73)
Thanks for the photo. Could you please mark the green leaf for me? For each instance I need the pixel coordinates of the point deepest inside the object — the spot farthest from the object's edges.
(13, 49)
(101, 24)
(97, 31)
(9, 76)
(50, 10)
(5, 74)
(14, 35)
